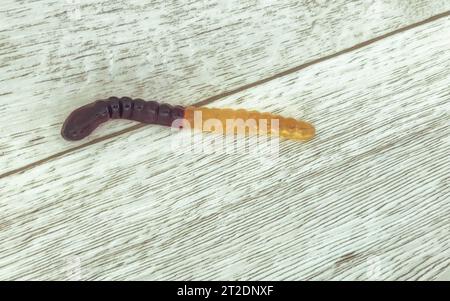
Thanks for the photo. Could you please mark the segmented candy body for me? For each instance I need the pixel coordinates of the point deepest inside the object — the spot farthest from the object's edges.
(84, 120)
(246, 122)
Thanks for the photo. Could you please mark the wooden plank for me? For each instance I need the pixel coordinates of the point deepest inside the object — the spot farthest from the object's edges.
(444, 276)
(366, 199)
(71, 53)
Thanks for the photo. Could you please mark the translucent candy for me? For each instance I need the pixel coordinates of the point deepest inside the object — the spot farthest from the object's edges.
(240, 121)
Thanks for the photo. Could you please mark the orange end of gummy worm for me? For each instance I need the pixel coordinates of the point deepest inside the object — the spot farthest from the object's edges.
(248, 122)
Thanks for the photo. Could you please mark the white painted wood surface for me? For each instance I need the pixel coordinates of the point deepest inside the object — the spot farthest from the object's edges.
(367, 199)
(58, 55)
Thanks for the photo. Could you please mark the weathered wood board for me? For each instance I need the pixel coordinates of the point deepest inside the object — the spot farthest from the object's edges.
(58, 55)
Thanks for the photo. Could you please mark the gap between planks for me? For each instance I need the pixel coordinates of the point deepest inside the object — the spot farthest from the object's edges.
(216, 97)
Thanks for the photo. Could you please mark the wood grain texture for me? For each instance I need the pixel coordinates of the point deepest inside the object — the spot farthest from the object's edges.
(367, 199)
(58, 55)
(444, 276)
